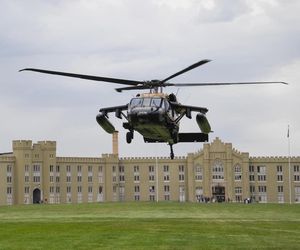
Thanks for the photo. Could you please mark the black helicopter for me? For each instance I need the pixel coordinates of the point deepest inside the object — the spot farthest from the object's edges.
(155, 115)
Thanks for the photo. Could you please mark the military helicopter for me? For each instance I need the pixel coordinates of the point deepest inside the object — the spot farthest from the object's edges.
(155, 115)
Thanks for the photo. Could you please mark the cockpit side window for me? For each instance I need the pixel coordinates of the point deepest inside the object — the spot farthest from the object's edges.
(136, 102)
(167, 105)
(156, 102)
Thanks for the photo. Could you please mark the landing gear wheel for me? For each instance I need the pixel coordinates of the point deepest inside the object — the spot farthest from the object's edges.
(129, 137)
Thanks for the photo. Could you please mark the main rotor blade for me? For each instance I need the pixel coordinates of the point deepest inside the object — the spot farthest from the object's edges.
(132, 88)
(195, 65)
(218, 83)
(86, 77)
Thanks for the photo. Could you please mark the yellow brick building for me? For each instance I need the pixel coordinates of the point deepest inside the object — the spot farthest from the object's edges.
(32, 173)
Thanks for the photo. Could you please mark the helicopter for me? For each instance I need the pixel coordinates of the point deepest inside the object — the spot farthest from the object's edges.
(155, 115)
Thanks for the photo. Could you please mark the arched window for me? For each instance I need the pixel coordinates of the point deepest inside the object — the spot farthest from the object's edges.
(218, 170)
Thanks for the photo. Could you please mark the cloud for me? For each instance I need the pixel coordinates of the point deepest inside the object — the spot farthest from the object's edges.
(143, 40)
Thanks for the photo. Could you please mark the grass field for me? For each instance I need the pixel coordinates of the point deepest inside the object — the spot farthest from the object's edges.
(150, 226)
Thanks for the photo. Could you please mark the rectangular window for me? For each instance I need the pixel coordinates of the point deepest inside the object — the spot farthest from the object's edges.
(296, 173)
(297, 194)
(136, 169)
(152, 197)
(238, 194)
(9, 190)
(9, 168)
(121, 169)
(251, 168)
(261, 177)
(151, 173)
(181, 168)
(262, 189)
(166, 177)
(151, 169)
(26, 178)
(198, 173)
(68, 168)
(57, 169)
(79, 169)
(152, 189)
(166, 168)
(151, 177)
(26, 168)
(136, 178)
(296, 177)
(167, 197)
(181, 177)
(252, 189)
(36, 178)
(136, 189)
(280, 177)
(9, 179)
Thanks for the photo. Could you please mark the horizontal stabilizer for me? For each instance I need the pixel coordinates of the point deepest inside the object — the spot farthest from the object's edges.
(192, 137)
(152, 140)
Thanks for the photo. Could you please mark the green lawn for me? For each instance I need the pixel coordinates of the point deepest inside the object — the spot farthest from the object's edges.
(145, 225)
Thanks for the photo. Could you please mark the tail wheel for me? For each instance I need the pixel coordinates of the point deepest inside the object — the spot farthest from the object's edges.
(129, 137)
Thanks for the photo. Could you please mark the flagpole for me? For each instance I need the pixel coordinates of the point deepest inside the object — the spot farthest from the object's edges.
(289, 152)
(156, 177)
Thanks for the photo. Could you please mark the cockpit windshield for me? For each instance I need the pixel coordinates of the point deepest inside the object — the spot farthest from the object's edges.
(145, 102)
(155, 102)
(136, 102)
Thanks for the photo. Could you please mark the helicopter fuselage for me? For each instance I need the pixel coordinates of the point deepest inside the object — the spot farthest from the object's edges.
(152, 116)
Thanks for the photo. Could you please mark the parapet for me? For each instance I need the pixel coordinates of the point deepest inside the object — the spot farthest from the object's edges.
(152, 159)
(277, 159)
(22, 144)
(50, 145)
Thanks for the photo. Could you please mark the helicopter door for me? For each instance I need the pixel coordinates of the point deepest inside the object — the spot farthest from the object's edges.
(168, 109)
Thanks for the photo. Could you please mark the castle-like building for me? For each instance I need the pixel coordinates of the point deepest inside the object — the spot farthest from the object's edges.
(32, 173)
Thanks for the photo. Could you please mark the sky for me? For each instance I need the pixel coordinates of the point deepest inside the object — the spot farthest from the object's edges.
(247, 40)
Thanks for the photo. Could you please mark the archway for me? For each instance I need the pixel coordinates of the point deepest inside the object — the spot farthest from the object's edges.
(218, 193)
(36, 196)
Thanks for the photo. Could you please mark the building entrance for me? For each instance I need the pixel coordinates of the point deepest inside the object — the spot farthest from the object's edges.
(218, 193)
(36, 196)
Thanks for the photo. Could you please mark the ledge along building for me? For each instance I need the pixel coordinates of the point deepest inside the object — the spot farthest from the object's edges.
(33, 173)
